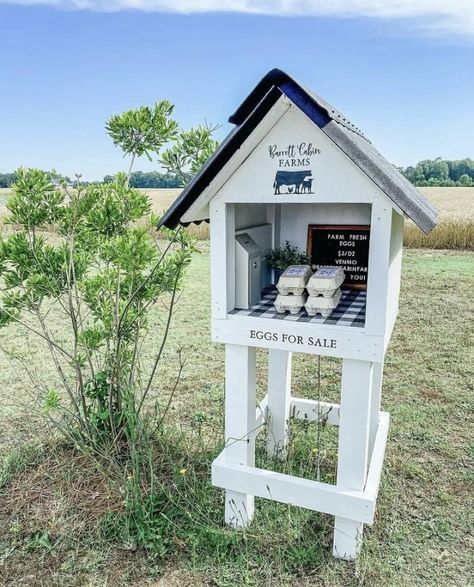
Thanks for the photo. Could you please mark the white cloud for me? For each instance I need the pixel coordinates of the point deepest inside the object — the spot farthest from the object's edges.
(443, 15)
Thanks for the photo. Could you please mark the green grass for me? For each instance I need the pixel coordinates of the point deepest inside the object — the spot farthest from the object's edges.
(62, 524)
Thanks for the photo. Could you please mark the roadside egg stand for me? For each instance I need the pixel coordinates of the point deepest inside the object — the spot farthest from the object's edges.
(295, 170)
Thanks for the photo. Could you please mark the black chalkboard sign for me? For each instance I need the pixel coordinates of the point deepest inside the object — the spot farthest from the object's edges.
(344, 246)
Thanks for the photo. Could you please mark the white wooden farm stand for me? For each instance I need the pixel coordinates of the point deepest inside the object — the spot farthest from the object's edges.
(337, 179)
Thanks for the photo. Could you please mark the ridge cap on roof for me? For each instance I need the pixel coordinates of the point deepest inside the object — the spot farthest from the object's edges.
(274, 77)
(280, 79)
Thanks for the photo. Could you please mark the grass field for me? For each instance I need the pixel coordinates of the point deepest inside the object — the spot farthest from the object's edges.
(455, 229)
(454, 204)
(53, 502)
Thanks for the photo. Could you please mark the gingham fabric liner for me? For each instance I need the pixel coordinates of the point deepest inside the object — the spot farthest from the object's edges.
(349, 312)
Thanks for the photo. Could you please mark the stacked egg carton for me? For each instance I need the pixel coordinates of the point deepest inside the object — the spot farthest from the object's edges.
(324, 290)
(323, 287)
(291, 289)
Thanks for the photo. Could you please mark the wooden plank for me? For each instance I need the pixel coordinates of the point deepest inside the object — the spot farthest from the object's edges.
(354, 425)
(244, 197)
(222, 258)
(349, 342)
(240, 389)
(279, 390)
(379, 263)
(394, 273)
(376, 396)
(312, 410)
(313, 495)
(376, 462)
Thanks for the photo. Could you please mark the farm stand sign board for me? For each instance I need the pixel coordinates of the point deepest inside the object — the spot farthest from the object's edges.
(343, 246)
(296, 176)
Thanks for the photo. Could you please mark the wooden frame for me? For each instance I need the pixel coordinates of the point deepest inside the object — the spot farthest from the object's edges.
(339, 341)
(356, 505)
(345, 227)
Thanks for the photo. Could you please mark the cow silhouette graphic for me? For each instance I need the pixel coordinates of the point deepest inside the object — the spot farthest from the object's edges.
(306, 186)
(299, 181)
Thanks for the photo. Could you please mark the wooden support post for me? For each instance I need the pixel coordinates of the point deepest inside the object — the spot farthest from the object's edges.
(378, 269)
(240, 403)
(222, 218)
(278, 410)
(377, 375)
(354, 427)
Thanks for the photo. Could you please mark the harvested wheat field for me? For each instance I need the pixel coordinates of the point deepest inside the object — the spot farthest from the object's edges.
(456, 215)
(452, 203)
(455, 206)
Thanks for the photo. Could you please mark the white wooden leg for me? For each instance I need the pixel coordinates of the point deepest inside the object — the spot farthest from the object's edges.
(240, 402)
(354, 426)
(279, 393)
(377, 375)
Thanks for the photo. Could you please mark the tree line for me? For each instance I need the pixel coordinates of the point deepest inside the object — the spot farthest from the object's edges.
(138, 179)
(441, 172)
(429, 172)
(152, 179)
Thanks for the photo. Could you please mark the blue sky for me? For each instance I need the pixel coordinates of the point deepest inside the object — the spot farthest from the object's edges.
(404, 77)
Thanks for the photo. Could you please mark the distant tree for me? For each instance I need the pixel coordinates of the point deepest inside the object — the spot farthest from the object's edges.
(154, 179)
(7, 179)
(440, 172)
(465, 180)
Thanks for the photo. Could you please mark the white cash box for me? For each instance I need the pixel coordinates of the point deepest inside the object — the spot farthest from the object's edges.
(294, 279)
(325, 281)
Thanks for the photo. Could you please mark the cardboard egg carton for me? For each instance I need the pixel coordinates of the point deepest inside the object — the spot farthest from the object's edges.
(294, 279)
(325, 281)
(323, 305)
(292, 304)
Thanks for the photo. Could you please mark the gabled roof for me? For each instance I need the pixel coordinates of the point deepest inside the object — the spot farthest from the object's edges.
(334, 125)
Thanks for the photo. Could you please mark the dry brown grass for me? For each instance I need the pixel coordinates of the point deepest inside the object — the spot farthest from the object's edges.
(452, 203)
(455, 206)
(64, 488)
(457, 234)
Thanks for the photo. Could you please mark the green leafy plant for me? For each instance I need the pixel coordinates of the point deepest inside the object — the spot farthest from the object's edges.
(280, 258)
(143, 131)
(190, 151)
(104, 273)
(90, 257)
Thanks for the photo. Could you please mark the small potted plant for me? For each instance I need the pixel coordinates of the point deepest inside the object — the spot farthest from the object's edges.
(282, 257)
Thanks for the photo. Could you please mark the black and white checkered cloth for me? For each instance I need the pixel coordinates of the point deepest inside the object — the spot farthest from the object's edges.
(349, 312)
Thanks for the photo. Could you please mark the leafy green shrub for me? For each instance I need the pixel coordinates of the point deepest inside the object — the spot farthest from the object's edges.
(104, 273)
